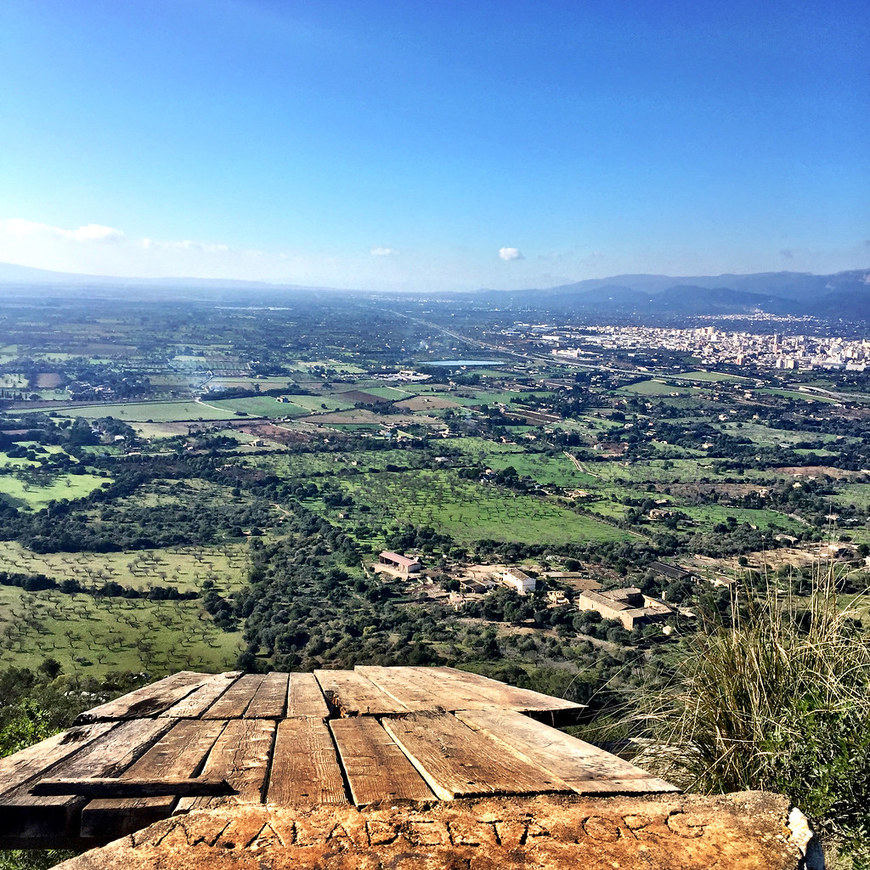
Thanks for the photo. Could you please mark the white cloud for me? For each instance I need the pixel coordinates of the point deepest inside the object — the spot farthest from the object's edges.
(95, 233)
(186, 245)
(89, 233)
(508, 254)
(384, 252)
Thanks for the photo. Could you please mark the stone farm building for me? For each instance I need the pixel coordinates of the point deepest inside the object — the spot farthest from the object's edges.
(513, 578)
(395, 563)
(628, 606)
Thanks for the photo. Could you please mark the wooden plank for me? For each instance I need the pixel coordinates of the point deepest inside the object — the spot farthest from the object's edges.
(410, 687)
(233, 703)
(179, 753)
(355, 695)
(458, 691)
(105, 787)
(445, 688)
(198, 701)
(32, 816)
(375, 766)
(304, 697)
(30, 762)
(147, 701)
(586, 768)
(492, 693)
(305, 770)
(457, 761)
(241, 757)
(270, 699)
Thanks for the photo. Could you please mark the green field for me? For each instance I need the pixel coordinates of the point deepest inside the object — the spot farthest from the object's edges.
(334, 364)
(655, 387)
(250, 383)
(715, 377)
(258, 406)
(653, 470)
(503, 398)
(392, 393)
(557, 470)
(18, 462)
(35, 496)
(303, 465)
(268, 406)
(710, 514)
(795, 394)
(480, 448)
(142, 412)
(769, 437)
(468, 511)
(857, 494)
(96, 635)
(184, 568)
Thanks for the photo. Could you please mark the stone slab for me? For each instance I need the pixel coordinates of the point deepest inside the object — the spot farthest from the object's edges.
(744, 831)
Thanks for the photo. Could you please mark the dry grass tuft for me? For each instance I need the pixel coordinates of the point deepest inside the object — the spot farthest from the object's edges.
(779, 699)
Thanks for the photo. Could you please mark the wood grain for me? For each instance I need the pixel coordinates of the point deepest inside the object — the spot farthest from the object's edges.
(305, 698)
(355, 695)
(147, 701)
(305, 770)
(241, 756)
(375, 766)
(491, 693)
(179, 753)
(457, 761)
(270, 699)
(411, 687)
(31, 762)
(198, 701)
(586, 768)
(235, 700)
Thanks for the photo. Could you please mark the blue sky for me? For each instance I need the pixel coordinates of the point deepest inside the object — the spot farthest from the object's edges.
(447, 145)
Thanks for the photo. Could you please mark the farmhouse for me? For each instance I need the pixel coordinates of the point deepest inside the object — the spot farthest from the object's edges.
(672, 571)
(394, 563)
(628, 606)
(513, 578)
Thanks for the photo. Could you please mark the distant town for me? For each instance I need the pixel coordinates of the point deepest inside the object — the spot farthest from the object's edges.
(714, 346)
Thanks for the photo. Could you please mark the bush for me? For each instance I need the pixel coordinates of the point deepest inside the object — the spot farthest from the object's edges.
(779, 700)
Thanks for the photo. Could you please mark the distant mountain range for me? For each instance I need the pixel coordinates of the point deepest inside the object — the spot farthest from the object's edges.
(844, 295)
(25, 276)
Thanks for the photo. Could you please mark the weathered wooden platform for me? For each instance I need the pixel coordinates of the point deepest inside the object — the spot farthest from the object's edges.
(358, 737)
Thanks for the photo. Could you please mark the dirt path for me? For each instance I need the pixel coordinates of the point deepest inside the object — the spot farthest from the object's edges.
(580, 466)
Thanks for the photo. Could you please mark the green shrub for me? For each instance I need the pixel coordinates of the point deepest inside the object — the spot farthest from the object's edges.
(776, 698)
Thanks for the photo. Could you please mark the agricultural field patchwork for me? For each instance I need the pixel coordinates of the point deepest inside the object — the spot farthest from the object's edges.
(610, 461)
